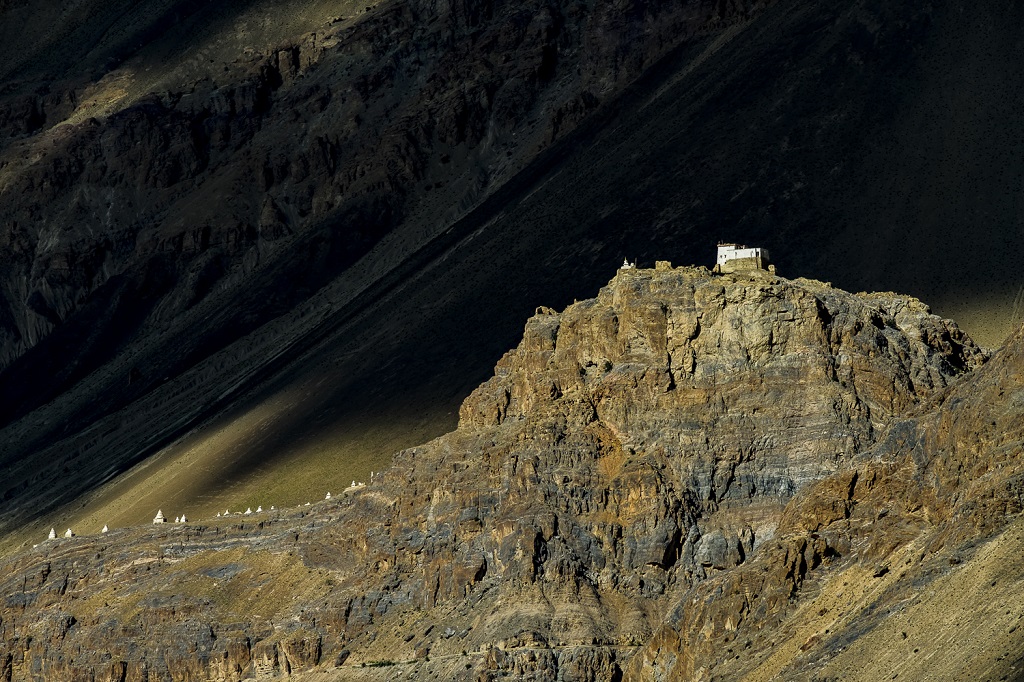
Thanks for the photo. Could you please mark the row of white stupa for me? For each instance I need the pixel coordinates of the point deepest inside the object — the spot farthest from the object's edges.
(68, 533)
(160, 518)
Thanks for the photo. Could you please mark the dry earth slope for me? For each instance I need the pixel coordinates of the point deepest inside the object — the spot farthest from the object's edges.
(689, 476)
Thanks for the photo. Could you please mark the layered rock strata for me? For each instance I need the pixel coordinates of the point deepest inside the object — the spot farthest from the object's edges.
(646, 475)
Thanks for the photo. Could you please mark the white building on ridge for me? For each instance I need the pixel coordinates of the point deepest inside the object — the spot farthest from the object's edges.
(736, 257)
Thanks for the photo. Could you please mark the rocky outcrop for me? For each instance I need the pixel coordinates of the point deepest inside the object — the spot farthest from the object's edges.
(649, 475)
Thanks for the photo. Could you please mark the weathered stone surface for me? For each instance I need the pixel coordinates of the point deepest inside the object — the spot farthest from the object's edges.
(647, 475)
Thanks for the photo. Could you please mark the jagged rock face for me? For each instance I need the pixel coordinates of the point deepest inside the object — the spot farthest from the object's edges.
(970, 446)
(634, 448)
(708, 394)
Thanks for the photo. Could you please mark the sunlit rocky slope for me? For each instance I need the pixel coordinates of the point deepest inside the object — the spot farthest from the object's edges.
(689, 476)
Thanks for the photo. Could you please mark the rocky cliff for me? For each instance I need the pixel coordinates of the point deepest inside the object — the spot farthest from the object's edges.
(657, 483)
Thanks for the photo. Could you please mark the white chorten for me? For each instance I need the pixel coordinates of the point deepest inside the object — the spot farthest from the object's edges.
(328, 495)
(69, 533)
(183, 519)
(177, 519)
(249, 510)
(159, 518)
(53, 534)
(259, 509)
(105, 529)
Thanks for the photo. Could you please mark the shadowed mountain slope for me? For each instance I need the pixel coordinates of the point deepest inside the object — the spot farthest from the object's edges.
(313, 247)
